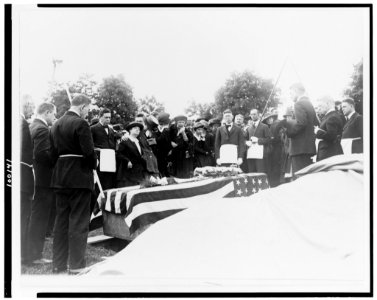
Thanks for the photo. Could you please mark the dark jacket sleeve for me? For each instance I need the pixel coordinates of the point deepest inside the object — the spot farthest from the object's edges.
(241, 144)
(122, 152)
(294, 127)
(86, 144)
(265, 140)
(331, 129)
(42, 146)
(217, 143)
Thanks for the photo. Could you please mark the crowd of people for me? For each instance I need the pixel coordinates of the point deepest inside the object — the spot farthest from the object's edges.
(58, 158)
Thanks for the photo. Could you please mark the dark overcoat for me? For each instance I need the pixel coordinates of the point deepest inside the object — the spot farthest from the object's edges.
(26, 168)
(71, 135)
(301, 129)
(354, 129)
(330, 133)
(43, 167)
(234, 137)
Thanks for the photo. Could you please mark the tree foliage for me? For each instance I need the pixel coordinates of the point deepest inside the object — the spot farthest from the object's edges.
(204, 110)
(150, 106)
(245, 91)
(59, 97)
(355, 88)
(115, 94)
(61, 101)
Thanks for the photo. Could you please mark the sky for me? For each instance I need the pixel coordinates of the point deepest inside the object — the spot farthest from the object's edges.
(180, 55)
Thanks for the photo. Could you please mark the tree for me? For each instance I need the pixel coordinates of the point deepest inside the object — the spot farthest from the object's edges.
(59, 97)
(355, 88)
(61, 101)
(204, 110)
(245, 91)
(115, 94)
(150, 106)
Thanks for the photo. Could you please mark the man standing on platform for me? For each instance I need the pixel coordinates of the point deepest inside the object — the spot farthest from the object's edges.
(229, 134)
(104, 138)
(73, 151)
(44, 195)
(258, 133)
(301, 129)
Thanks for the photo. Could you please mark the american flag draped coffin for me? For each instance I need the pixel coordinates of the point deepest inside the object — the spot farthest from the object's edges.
(143, 207)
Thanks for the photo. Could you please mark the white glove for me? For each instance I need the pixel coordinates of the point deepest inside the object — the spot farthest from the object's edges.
(239, 161)
(316, 129)
(218, 161)
(248, 143)
(254, 139)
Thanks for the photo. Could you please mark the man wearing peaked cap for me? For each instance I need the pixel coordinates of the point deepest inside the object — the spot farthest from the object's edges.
(180, 118)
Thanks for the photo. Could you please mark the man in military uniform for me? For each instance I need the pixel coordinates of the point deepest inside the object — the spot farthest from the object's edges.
(72, 149)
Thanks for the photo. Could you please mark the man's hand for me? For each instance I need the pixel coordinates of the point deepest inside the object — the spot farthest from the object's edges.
(316, 128)
(174, 144)
(125, 136)
(254, 139)
(248, 143)
(239, 161)
(181, 130)
(218, 161)
(129, 165)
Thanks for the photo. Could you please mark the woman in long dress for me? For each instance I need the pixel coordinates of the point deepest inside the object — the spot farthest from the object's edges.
(132, 166)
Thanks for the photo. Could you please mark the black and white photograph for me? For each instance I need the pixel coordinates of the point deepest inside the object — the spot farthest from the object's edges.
(188, 149)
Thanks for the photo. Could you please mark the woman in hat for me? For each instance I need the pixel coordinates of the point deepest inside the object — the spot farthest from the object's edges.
(132, 166)
(182, 153)
(202, 151)
(274, 160)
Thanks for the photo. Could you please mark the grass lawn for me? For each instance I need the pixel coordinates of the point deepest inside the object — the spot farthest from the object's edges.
(94, 254)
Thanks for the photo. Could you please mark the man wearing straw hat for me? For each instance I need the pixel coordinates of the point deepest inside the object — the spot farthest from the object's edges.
(72, 150)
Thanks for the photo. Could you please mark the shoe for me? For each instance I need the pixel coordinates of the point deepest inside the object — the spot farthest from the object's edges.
(41, 261)
(59, 270)
(77, 271)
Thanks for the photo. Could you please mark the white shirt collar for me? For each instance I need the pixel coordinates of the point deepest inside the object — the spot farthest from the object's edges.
(44, 121)
(350, 115)
(74, 112)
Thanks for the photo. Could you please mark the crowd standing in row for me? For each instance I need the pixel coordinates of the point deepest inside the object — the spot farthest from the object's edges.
(63, 154)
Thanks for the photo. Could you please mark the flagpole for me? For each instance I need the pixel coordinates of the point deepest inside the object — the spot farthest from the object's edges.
(272, 91)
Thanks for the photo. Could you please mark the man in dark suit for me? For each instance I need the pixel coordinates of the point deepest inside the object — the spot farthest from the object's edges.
(72, 149)
(301, 129)
(353, 129)
(258, 133)
(330, 129)
(43, 196)
(104, 138)
(27, 180)
(229, 134)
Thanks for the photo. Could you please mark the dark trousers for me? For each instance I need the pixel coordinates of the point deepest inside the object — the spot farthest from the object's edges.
(256, 166)
(301, 161)
(71, 228)
(39, 217)
(25, 217)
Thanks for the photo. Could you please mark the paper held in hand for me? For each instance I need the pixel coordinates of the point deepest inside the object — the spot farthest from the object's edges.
(347, 145)
(107, 160)
(228, 154)
(255, 151)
